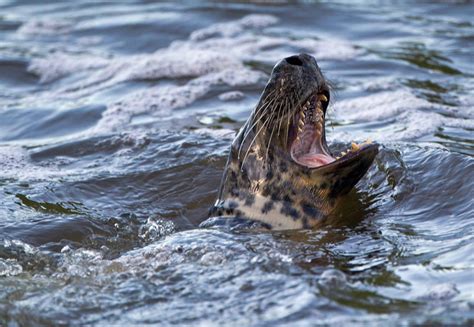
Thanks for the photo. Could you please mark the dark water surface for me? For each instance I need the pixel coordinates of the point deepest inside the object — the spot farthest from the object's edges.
(115, 120)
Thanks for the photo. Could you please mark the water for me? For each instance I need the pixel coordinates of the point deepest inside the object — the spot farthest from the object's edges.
(115, 120)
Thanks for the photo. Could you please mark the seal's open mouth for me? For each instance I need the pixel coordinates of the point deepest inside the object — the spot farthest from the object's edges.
(306, 135)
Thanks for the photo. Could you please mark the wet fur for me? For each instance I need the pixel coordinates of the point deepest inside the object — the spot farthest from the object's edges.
(261, 181)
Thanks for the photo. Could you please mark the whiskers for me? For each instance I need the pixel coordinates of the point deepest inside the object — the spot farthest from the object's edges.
(272, 115)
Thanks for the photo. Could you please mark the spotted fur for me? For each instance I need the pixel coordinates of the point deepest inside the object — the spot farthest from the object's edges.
(261, 181)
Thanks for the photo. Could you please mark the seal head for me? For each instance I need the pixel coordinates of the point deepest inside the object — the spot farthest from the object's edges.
(280, 171)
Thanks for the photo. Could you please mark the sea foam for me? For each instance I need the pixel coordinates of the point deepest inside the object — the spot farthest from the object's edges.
(203, 59)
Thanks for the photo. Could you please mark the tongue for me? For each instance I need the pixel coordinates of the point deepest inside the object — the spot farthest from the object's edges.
(314, 160)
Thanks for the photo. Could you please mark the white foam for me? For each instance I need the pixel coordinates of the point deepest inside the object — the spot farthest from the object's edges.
(194, 57)
(155, 229)
(182, 59)
(17, 164)
(328, 49)
(466, 108)
(204, 57)
(9, 267)
(261, 47)
(170, 64)
(130, 17)
(440, 292)
(216, 133)
(233, 28)
(407, 117)
(379, 106)
(413, 124)
(159, 101)
(59, 65)
(231, 96)
(373, 84)
(13, 160)
(45, 26)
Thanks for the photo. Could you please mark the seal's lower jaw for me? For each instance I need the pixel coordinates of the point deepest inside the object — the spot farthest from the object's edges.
(307, 141)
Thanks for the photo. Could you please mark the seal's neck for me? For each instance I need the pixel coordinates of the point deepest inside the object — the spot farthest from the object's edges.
(271, 191)
(276, 215)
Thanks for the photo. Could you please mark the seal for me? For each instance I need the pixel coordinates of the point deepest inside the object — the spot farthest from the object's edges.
(280, 171)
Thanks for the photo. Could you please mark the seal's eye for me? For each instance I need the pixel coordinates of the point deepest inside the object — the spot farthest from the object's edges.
(294, 60)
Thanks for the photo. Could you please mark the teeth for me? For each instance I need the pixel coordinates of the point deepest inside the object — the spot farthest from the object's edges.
(319, 125)
(355, 146)
(343, 153)
(307, 103)
(303, 115)
(337, 158)
(368, 141)
(297, 138)
(324, 98)
(300, 129)
(301, 121)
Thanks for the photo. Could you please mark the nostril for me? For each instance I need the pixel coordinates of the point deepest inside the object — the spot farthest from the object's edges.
(294, 60)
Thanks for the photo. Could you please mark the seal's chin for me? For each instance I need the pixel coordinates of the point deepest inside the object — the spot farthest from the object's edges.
(306, 136)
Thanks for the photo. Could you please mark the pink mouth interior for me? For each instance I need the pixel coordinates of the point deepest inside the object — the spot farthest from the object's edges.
(314, 160)
(307, 148)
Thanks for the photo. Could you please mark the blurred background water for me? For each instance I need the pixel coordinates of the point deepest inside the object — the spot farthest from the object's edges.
(115, 120)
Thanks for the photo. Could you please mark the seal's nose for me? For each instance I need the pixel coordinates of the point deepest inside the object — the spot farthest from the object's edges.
(294, 60)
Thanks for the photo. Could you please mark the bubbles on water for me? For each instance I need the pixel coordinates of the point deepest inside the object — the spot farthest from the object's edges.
(13, 159)
(80, 263)
(155, 229)
(18, 256)
(9, 267)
